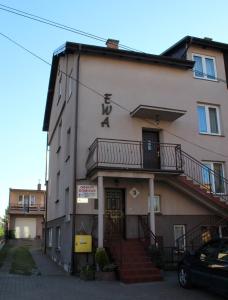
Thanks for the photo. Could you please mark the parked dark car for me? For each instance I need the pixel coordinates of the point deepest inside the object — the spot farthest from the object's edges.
(207, 267)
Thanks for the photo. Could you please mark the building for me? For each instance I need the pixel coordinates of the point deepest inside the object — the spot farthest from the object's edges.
(148, 131)
(27, 213)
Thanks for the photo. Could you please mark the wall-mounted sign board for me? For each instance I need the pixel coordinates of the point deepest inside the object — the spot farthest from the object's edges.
(87, 191)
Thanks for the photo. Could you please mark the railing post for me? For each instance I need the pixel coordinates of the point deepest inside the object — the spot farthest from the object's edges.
(210, 182)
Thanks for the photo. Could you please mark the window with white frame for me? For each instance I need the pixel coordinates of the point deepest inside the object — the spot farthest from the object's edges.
(179, 236)
(205, 67)
(32, 200)
(58, 238)
(209, 119)
(213, 175)
(157, 208)
(156, 202)
(25, 200)
(49, 237)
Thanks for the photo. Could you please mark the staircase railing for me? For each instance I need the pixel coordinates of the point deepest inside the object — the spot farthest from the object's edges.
(212, 182)
(149, 238)
(200, 234)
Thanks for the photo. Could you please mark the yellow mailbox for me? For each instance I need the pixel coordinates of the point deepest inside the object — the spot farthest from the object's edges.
(83, 243)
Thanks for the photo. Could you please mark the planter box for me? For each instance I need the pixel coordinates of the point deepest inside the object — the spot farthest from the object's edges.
(106, 276)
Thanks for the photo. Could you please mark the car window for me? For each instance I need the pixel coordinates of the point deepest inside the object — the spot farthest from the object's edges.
(209, 251)
(223, 252)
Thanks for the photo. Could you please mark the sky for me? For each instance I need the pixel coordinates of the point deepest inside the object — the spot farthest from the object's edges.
(147, 25)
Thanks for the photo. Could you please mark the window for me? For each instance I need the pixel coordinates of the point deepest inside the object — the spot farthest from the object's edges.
(204, 67)
(68, 145)
(32, 200)
(208, 119)
(49, 237)
(59, 88)
(179, 237)
(58, 238)
(213, 175)
(157, 208)
(70, 86)
(21, 200)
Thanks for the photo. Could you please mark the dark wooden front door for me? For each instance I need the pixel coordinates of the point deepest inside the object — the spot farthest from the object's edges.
(115, 212)
(151, 150)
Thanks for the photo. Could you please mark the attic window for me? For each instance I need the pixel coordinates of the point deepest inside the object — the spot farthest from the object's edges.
(205, 67)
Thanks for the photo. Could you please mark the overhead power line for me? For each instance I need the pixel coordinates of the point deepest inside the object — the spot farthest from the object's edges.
(58, 25)
(112, 101)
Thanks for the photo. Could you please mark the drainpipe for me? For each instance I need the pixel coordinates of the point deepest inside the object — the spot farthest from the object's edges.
(46, 196)
(73, 258)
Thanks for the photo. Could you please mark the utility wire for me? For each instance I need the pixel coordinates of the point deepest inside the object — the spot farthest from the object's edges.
(112, 101)
(58, 25)
(73, 30)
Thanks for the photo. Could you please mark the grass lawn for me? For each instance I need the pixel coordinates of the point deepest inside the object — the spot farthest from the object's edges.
(3, 253)
(22, 261)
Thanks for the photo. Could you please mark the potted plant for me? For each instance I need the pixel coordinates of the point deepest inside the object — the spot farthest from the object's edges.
(104, 269)
(87, 273)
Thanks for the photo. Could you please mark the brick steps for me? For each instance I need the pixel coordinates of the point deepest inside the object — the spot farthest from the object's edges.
(135, 265)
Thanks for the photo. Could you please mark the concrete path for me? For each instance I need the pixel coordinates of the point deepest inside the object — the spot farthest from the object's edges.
(45, 265)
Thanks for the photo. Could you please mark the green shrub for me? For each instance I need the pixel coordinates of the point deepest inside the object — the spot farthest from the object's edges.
(87, 272)
(109, 268)
(101, 258)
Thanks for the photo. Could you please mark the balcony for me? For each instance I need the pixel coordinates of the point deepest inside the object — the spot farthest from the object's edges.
(134, 155)
(32, 209)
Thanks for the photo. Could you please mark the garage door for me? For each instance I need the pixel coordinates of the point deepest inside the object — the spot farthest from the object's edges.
(25, 228)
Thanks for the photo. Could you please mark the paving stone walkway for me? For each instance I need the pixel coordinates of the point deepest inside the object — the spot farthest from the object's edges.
(54, 283)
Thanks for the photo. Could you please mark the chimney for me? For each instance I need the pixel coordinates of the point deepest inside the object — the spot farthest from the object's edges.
(39, 186)
(114, 44)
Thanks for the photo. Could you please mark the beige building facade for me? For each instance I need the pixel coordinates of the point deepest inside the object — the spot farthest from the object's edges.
(149, 131)
(26, 213)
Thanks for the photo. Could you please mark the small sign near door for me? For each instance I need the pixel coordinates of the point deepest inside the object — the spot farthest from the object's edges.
(87, 191)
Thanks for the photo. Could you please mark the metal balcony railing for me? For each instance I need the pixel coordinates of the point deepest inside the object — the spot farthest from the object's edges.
(32, 207)
(126, 154)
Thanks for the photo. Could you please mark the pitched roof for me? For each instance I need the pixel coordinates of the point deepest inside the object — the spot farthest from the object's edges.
(187, 40)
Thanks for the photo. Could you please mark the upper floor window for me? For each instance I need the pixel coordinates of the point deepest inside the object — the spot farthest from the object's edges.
(208, 119)
(205, 67)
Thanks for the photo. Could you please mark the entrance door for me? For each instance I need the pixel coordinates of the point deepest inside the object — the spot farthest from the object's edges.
(151, 150)
(115, 212)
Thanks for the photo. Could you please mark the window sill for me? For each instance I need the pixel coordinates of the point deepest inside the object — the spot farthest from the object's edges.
(207, 79)
(211, 134)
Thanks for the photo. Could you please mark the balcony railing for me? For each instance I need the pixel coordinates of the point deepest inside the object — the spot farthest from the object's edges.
(124, 154)
(23, 208)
